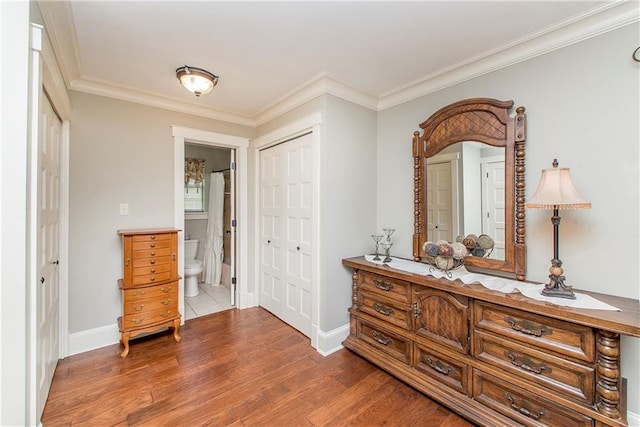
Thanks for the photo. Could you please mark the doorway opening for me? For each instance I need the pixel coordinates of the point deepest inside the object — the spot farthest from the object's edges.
(210, 201)
(236, 148)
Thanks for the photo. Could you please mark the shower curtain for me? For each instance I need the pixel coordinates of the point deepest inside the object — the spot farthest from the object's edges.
(213, 252)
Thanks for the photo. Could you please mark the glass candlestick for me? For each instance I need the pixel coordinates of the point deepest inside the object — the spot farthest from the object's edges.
(386, 245)
(387, 233)
(377, 238)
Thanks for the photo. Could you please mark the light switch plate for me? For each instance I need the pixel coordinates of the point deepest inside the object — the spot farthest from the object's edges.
(124, 208)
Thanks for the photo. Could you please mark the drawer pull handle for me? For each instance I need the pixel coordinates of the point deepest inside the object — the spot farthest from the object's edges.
(438, 366)
(383, 285)
(536, 415)
(527, 327)
(127, 261)
(167, 314)
(383, 309)
(166, 290)
(166, 302)
(138, 321)
(526, 364)
(136, 293)
(381, 338)
(136, 308)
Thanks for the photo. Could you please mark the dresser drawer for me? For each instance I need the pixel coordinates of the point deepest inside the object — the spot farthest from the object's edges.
(564, 338)
(150, 304)
(390, 288)
(151, 244)
(442, 368)
(523, 405)
(389, 310)
(151, 278)
(393, 344)
(151, 269)
(159, 291)
(146, 262)
(151, 237)
(145, 318)
(571, 379)
(150, 253)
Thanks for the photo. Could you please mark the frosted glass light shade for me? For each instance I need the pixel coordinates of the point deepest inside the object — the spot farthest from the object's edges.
(196, 80)
(556, 191)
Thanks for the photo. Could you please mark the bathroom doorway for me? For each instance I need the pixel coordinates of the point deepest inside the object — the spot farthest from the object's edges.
(209, 231)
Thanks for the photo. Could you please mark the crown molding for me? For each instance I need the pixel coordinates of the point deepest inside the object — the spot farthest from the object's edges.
(130, 94)
(59, 25)
(590, 24)
(319, 85)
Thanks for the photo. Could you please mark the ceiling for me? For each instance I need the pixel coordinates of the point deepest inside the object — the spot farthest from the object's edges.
(265, 51)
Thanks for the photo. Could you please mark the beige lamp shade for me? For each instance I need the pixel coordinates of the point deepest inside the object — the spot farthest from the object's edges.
(196, 80)
(556, 191)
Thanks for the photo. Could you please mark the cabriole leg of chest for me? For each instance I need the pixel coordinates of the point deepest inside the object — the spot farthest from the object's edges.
(608, 374)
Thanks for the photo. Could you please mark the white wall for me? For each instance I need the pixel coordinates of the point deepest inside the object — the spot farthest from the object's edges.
(120, 153)
(582, 107)
(14, 73)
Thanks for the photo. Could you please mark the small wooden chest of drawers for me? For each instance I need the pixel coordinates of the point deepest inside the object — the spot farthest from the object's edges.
(150, 283)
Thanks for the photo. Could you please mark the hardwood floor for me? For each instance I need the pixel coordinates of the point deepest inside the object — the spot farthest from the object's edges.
(233, 368)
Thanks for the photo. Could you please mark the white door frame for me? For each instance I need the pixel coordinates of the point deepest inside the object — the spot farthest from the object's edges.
(241, 145)
(311, 123)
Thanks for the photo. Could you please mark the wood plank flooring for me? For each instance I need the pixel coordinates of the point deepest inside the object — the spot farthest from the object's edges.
(233, 368)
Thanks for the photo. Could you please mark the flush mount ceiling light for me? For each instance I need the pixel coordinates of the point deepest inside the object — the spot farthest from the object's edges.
(196, 80)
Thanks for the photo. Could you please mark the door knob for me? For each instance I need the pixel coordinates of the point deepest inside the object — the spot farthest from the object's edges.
(42, 280)
(297, 248)
(56, 262)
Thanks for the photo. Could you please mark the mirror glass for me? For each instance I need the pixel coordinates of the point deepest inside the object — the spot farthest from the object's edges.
(465, 196)
(469, 184)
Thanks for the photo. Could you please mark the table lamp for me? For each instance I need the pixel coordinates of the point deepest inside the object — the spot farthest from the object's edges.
(556, 191)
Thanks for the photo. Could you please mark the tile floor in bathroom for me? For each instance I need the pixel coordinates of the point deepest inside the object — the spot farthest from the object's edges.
(211, 299)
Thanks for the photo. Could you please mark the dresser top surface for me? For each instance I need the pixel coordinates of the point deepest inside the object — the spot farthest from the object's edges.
(147, 231)
(626, 321)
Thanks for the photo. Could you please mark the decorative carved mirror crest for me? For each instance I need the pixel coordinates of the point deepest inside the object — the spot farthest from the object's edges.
(483, 124)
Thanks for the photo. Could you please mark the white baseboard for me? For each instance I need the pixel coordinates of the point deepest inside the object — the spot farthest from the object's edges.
(633, 419)
(247, 300)
(330, 342)
(82, 341)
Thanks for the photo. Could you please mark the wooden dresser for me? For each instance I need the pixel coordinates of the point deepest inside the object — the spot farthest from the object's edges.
(494, 358)
(150, 283)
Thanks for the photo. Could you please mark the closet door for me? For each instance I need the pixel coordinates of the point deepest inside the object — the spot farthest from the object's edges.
(286, 230)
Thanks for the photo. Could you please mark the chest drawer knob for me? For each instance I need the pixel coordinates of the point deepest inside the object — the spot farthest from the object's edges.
(138, 321)
(167, 314)
(137, 307)
(527, 327)
(152, 262)
(166, 302)
(438, 366)
(153, 237)
(153, 245)
(152, 278)
(382, 309)
(136, 293)
(381, 338)
(166, 290)
(531, 413)
(526, 364)
(384, 286)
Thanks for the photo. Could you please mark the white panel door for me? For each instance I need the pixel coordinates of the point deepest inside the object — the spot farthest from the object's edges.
(493, 199)
(287, 294)
(439, 202)
(48, 290)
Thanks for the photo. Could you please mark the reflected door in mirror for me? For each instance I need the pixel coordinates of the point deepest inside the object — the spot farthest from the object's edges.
(493, 189)
(439, 202)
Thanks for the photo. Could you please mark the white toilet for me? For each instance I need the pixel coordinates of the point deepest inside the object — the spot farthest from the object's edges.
(192, 268)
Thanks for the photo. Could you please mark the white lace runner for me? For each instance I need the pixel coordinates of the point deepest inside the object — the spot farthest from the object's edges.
(500, 284)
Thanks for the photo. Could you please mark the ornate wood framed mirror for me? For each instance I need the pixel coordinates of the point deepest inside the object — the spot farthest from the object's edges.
(469, 166)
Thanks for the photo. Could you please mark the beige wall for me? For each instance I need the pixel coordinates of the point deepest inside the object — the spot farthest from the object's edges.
(582, 107)
(120, 153)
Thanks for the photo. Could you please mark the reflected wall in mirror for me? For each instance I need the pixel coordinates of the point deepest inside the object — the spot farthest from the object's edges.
(469, 179)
